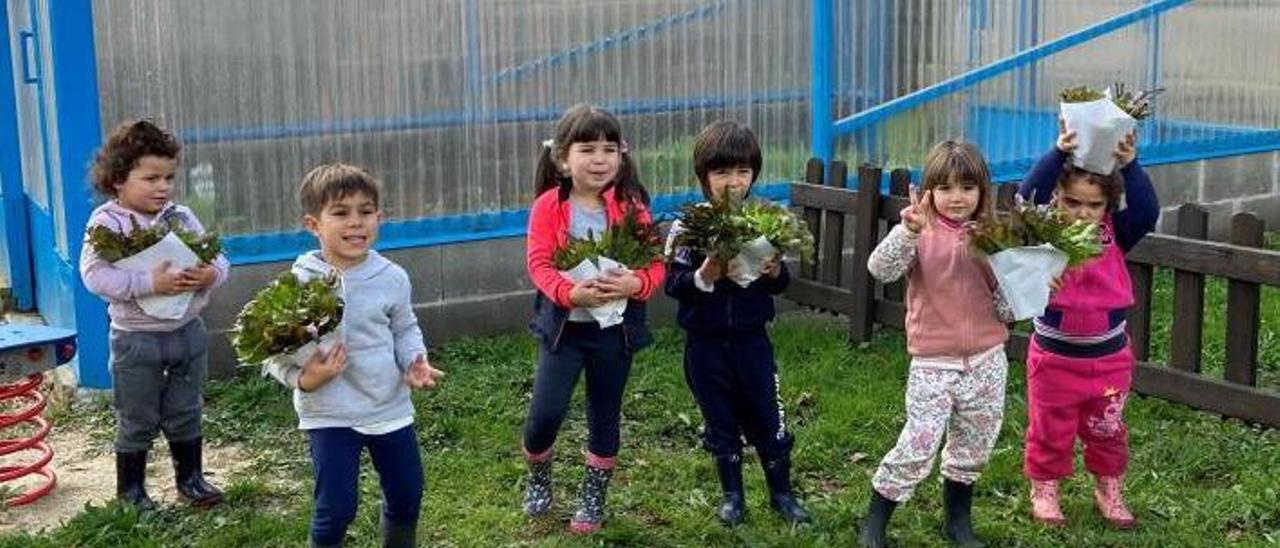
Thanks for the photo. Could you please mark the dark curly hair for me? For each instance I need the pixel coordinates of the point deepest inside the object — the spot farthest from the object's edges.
(127, 143)
(1112, 185)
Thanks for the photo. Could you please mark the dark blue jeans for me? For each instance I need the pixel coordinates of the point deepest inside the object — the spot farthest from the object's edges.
(335, 456)
(602, 355)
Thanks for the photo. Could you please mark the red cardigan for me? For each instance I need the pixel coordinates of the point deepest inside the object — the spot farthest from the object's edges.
(549, 231)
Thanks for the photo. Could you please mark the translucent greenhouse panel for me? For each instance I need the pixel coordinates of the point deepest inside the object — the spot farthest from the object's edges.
(446, 102)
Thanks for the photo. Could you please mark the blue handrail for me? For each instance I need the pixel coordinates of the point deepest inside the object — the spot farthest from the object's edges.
(880, 112)
(610, 41)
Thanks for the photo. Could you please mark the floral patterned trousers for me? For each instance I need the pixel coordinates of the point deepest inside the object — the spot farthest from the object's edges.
(961, 398)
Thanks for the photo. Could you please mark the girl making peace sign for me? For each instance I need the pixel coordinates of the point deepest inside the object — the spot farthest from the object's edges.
(955, 336)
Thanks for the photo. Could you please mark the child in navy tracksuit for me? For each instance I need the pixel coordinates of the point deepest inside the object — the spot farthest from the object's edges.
(728, 359)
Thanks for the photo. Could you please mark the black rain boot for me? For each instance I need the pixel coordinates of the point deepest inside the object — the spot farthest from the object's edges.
(538, 493)
(590, 514)
(777, 474)
(188, 468)
(399, 535)
(875, 526)
(131, 477)
(957, 499)
(733, 508)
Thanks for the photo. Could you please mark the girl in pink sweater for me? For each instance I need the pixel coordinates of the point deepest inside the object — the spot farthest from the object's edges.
(956, 338)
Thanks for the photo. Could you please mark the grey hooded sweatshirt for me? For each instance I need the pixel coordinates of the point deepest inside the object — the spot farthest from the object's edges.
(382, 336)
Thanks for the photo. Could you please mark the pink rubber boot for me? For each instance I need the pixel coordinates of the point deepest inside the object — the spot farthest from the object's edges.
(1107, 494)
(1044, 503)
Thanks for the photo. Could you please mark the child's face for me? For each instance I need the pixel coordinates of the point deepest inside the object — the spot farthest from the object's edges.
(592, 164)
(346, 228)
(957, 200)
(1082, 199)
(734, 180)
(148, 186)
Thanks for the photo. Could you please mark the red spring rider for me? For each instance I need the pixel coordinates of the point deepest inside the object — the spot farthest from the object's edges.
(26, 352)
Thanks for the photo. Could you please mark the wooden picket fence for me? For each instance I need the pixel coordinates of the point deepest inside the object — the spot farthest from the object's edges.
(837, 284)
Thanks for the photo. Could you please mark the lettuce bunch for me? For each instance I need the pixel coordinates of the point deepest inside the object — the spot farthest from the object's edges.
(1028, 224)
(1137, 105)
(113, 246)
(284, 316)
(630, 242)
(722, 227)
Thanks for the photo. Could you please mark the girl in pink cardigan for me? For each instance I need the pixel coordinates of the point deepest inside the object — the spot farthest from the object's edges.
(956, 338)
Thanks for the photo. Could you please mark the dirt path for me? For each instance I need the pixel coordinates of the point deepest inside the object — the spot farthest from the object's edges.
(85, 467)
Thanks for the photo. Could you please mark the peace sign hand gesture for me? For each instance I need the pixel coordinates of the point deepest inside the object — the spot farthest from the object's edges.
(919, 214)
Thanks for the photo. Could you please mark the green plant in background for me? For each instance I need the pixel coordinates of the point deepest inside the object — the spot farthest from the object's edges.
(284, 316)
(668, 166)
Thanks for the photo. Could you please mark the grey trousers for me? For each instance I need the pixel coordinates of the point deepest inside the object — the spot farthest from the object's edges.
(158, 384)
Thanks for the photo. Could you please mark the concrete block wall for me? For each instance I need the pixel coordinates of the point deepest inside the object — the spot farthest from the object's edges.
(472, 288)
(1224, 187)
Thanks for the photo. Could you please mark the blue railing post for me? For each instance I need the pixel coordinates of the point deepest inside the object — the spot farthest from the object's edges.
(79, 134)
(17, 238)
(821, 130)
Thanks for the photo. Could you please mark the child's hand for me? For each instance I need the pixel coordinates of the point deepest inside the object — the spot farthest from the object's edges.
(586, 295)
(421, 375)
(322, 367)
(618, 284)
(1055, 284)
(733, 269)
(200, 276)
(1127, 150)
(166, 282)
(711, 270)
(916, 216)
(1066, 138)
(772, 267)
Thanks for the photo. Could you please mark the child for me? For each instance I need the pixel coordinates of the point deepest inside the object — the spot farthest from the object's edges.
(1079, 364)
(728, 359)
(158, 366)
(585, 182)
(356, 395)
(955, 335)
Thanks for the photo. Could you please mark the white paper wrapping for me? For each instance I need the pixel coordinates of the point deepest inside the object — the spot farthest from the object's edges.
(1024, 275)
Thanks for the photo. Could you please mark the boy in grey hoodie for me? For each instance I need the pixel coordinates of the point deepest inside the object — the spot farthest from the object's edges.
(356, 394)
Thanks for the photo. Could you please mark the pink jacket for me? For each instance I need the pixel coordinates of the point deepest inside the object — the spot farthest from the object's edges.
(951, 293)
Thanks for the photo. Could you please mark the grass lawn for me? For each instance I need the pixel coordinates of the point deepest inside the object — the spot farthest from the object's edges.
(1196, 479)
